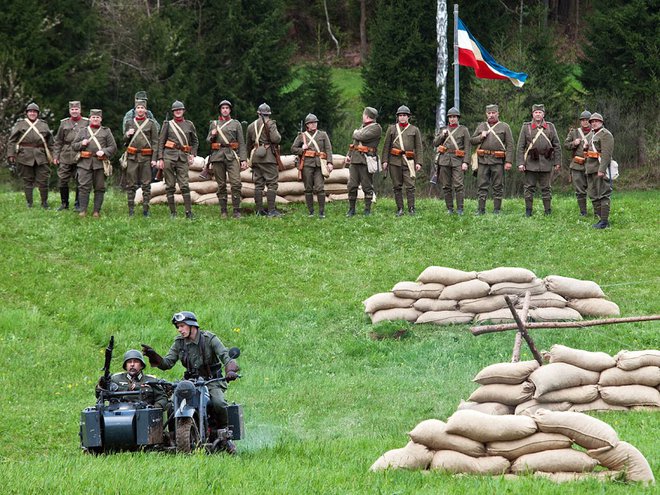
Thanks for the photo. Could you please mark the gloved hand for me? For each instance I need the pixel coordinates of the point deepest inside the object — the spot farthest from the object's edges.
(231, 376)
(231, 371)
(155, 359)
(102, 383)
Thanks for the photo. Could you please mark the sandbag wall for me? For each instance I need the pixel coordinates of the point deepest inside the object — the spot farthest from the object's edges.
(575, 380)
(290, 189)
(545, 443)
(444, 296)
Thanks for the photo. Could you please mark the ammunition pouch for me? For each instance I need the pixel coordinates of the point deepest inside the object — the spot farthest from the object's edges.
(459, 153)
(216, 146)
(442, 149)
(398, 152)
(592, 154)
(549, 153)
(146, 152)
(173, 146)
(312, 154)
(131, 150)
(362, 149)
(496, 154)
(85, 154)
(579, 160)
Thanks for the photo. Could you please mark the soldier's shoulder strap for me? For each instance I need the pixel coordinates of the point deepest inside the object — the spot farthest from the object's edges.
(65, 119)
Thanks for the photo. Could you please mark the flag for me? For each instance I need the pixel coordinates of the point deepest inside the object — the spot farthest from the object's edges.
(472, 54)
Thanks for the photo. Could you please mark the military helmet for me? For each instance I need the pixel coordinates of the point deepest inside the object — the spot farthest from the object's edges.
(585, 115)
(178, 105)
(596, 116)
(264, 109)
(141, 95)
(186, 317)
(32, 106)
(311, 118)
(453, 111)
(134, 354)
(225, 102)
(403, 109)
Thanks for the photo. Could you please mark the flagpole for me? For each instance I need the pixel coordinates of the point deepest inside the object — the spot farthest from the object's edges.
(457, 98)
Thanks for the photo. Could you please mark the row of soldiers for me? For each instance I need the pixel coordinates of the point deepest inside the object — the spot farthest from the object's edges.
(84, 147)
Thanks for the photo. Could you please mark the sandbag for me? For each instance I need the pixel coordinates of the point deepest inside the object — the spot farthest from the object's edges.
(493, 408)
(530, 407)
(573, 288)
(445, 317)
(344, 196)
(197, 164)
(385, 300)
(157, 188)
(506, 274)
(290, 188)
(455, 462)
(627, 458)
(412, 456)
(554, 314)
(506, 373)
(427, 304)
(432, 433)
(470, 289)
(482, 304)
(299, 198)
(631, 360)
(511, 395)
(631, 395)
(536, 286)
(545, 300)
(574, 395)
(594, 306)
(556, 376)
(538, 442)
(208, 199)
(498, 316)
(336, 188)
(587, 432)
(416, 290)
(594, 361)
(394, 314)
(559, 460)
(290, 175)
(338, 176)
(616, 377)
(338, 161)
(162, 199)
(487, 428)
(445, 276)
(204, 187)
(193, 176)
(597, 405)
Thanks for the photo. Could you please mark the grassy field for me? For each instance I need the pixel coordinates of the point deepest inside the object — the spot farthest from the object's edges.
(322, 399)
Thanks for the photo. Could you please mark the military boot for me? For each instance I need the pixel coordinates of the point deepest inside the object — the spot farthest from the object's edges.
(481, 208)
(172, 205)
(84, 202)
(547, 206)
(259, 204)
(582, 204)
(236, 204)
(187, 203)
(604, 217)
(76, 201)
(398, 199)
(145, 210)
(29, 197)
(309, 201)
(270, 198)
(223, 208)
(460, 199)
(351, 207)
(410, 196)
(64, 198)
(131, 204)
(189, 214)
(98, 203)
(367, 206)
(596, 206)
(497, 206)
(529, 207)
(449, 201)
(321, 198)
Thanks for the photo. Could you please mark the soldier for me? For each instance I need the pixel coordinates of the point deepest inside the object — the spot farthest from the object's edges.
(495, 154)
(177, 147)
(453, 147)
(228, 157)
(203, 355)
(538, 152)
(403, 151)
(133, 379)
(362, 160)
(29, 147)
(140, 139)
(313, 148)
(263, 140)
(598, 151)
(63, 154)
(95, 145)
(130, 115)
(575, 142)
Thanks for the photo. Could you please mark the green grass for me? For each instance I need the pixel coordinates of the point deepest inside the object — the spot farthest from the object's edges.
(322, 400)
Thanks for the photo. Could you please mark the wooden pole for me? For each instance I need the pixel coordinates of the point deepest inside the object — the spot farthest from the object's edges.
(515, 357)
(523, 331)
(561, 324)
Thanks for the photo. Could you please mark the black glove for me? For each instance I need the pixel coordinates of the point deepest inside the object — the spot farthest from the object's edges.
(231, 376)
(102, 383)
(155, 359)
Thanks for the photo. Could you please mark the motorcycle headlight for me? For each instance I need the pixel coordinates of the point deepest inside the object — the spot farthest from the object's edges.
(185, 390)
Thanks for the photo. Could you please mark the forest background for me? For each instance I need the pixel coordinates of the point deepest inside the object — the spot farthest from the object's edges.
(333, 57)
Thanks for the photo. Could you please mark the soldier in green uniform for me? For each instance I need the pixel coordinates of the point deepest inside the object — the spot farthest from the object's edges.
(263, 140)
(362, 160)
(95, 144)
(495, 155)
(133, 379)
(575, 142)
(177, 147)
(130, 115)
(63, 154)
(402, 152)
(598, 150)
(140, 138)
(203, 355)
(314, 151)
(29, 147)
(452, 145)
(228, 157)
(538, 152)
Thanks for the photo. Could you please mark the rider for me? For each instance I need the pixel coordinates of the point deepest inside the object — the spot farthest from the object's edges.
(203, 355)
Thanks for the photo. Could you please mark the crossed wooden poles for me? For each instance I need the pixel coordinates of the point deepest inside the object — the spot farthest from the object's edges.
(522, 325)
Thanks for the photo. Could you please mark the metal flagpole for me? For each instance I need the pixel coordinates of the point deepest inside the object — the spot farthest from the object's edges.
(457, 98)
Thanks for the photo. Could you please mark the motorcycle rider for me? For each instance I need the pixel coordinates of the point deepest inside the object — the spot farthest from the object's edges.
(203, 355)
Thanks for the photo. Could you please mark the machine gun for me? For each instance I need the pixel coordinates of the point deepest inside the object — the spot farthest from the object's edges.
(108, 358)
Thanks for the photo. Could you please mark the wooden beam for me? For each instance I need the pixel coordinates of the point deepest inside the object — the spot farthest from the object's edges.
(561, 324)
(523, 331)
(515, 356)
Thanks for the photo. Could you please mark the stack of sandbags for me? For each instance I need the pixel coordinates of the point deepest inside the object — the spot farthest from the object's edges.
(445, 296)
(476, 443)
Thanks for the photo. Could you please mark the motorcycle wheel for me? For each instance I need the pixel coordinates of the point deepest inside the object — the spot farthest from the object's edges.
(187, 435)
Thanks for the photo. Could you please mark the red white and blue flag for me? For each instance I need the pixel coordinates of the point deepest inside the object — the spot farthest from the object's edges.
(472, 54)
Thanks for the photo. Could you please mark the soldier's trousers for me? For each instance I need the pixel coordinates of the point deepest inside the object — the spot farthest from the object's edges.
(451, 179)
(579, 179)
(313, 180)
(219, 404)
(541, 179)
(87, 179)
(358, 175)
(488, 175)
(177, 171)
(228, 170)
(138, 172)
(599, 191)
(66, 172)
(265, 175)
(35, 175)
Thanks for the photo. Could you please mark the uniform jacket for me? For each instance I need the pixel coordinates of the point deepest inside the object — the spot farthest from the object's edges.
(368, 135)
(152, 394)
(577, 150)
(167, 133)
(412, 141)
(546, 151)
(233, 131)
(275, 138)
(462, 137)
(105, 139)
(321, 139)
(603, 141)
(147, 139)
(66, 135)
(31, 150)
(130, 115)
(503, 131)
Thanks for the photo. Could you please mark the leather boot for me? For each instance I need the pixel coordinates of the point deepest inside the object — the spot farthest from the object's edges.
(236, 204)
(259, 204)
(481, 209)
(398, 199)
(76, 201)
(497, 206)
(582, 204)
(604, 217)
(172, 205)
(547, 206)
(98, 203)
(64, 197)
(309, 200)
(321, 198)
(223, 208)
(449, 201)
(460, 199)
(596, 205)
(351, 207)
(84, 202)
(145, 210)
(189, 215)
(529, 207)
(270, 197)
(367, 206)
(187, 203)
(43, 192)
(410, 196)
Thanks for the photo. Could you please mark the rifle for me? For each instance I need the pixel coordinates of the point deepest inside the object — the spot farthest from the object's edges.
(108, 358)
(166, 122)
(301, 162)
(274, 147)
